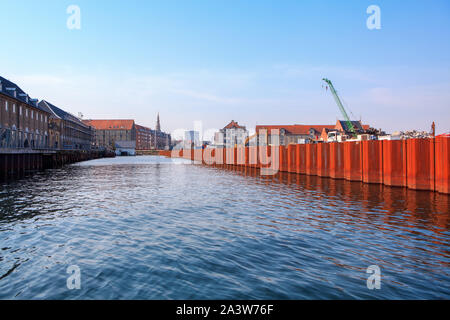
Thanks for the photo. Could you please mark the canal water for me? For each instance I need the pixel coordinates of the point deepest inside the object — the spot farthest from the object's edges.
(156, 228)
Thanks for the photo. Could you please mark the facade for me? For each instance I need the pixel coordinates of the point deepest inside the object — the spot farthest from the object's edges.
(231, 135)
(107, 132)
(289, 134)
(144, 138)
(65, 130)
(161, 140)
(23, 123)
(191, 139)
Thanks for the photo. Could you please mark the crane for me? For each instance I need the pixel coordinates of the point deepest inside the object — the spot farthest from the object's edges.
(350, 126)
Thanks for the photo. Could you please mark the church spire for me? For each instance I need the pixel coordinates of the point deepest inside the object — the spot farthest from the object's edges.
(158, 124)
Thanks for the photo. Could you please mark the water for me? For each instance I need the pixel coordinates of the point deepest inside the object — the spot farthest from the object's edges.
(156, 228)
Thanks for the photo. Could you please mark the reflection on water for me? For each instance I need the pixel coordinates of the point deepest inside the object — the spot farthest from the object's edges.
(156, 228)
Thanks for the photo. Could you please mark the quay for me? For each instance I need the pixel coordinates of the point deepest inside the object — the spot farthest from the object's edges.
(419, 164)
(16, 163)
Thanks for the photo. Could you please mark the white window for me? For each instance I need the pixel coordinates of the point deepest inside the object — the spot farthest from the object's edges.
(32, 114)
(20, 110)
(14, 107)
(6, 105)
(26, 112)
(45, 118)
(42, 117)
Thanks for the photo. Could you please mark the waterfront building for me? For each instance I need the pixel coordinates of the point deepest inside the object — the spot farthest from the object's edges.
(191, 139)
(290, 133)
(299, 133)
(161, 140)
(231, 135)
(107, 132)
(144, 138)
(67, 131)
(23, 123)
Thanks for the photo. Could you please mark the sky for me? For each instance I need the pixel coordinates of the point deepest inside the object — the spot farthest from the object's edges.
(255, 62)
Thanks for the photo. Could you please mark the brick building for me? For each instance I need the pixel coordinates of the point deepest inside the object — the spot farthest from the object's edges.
(144, 138)
(107, 132)
(23, 123)
(65, 130)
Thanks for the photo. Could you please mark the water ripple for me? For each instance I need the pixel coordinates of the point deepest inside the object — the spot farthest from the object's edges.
(156, 228)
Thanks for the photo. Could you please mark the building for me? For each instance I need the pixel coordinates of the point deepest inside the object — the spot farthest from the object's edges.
(298, 133)
(231, 135)
(107, 132)
(341, 131)
(161, 140)
(290, 133)
(125, 148)
(144, 138)
(23, 123)
(65, 130)
(191, 139)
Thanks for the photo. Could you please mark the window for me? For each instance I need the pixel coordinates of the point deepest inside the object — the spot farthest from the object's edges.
(45, 118)
(20, 110)
(14, 107)
(26, 112)
(6, 105)
(32, 114)
(42, 117)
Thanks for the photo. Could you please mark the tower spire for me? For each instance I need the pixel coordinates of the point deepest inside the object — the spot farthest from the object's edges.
(158, 124)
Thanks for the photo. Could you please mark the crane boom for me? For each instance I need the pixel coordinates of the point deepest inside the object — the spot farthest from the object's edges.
(340, 105)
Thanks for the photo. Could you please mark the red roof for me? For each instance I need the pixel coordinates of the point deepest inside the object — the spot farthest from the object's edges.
(142, 127)
(296, 128)
(110, 124)
(233, 124)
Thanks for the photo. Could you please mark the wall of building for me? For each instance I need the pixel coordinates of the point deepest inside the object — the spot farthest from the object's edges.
(22, 125)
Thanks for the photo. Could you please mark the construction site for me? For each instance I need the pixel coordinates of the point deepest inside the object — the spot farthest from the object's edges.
(349, 150)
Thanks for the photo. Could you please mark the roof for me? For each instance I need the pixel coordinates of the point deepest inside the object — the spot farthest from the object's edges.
(110, 124)
(139, 127)
(59, 113)
(126, 144)
(21, 95)
(233, 125)
(296, 129)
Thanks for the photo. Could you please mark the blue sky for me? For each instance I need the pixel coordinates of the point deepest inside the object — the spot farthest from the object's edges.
(257, 62)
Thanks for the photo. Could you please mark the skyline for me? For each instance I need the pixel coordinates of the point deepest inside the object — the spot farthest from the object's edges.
(256, 64)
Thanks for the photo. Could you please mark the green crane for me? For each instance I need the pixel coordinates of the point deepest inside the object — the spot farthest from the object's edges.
(350, 126)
